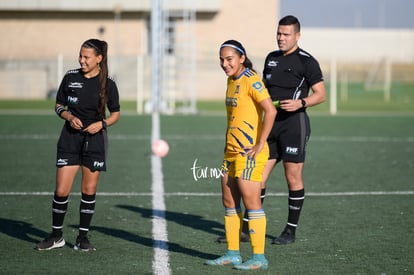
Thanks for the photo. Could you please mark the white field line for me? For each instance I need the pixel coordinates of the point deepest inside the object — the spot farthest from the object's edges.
(196, 194)
(220, 113)
(379, 139)
(160, 261)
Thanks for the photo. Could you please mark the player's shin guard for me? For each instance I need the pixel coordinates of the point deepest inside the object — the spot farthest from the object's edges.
(86, 211)
(59, 208)
(232, 223)
(257, 230)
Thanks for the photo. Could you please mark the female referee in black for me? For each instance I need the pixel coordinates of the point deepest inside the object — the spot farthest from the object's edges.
(81, 101)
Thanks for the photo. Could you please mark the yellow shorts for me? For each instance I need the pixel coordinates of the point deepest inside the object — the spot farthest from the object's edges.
(246, 168)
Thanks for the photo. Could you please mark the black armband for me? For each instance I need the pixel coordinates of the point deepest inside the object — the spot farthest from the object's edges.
(59, 110)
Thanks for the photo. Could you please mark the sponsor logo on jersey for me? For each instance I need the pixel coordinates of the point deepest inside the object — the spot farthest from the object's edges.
(77, 85)
(272, 63)
(231, 101)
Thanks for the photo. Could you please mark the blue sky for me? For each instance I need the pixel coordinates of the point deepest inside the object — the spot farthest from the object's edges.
(351, 13)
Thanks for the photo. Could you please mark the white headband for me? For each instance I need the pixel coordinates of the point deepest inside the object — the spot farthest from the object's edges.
(234, 47)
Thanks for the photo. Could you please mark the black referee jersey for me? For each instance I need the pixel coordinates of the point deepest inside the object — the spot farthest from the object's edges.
(290, 76)
(81, 96)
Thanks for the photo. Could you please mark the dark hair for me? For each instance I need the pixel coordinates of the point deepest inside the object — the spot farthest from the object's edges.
(101, 48)
(240, 50)
(290, 20)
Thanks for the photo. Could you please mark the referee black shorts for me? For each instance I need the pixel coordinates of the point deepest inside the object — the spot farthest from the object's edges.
(78, 148)
(289, 136)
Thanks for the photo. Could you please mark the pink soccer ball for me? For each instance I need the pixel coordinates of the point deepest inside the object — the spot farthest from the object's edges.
(160, 148)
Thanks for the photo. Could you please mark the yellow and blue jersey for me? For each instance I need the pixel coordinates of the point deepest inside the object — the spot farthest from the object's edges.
(244, 113)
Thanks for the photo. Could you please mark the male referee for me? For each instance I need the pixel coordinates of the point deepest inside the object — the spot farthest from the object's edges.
(289, 73)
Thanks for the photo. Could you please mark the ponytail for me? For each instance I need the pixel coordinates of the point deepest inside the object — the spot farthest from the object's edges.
(101, 48)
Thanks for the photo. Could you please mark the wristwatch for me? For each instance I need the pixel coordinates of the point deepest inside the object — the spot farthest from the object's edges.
(303, 102)
(104, 124)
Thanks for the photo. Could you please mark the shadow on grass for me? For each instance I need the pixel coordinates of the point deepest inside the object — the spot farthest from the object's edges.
(189, 220)
(193, 221)
(21, 230)
(170, 246)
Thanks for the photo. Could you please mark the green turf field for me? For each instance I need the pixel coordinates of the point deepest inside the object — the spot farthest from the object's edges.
(357, 99)
(356, 218)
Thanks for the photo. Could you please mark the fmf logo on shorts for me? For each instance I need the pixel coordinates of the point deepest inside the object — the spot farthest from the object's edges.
(98, 164)
(292, 150)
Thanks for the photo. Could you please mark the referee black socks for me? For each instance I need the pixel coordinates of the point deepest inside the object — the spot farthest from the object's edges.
(296, 199)
(59, 207)
(86, 209)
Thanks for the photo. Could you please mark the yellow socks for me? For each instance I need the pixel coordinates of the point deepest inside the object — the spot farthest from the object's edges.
(232, 225)
(257, 230)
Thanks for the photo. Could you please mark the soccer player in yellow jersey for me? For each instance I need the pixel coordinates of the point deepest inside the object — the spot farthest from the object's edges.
(250, 117)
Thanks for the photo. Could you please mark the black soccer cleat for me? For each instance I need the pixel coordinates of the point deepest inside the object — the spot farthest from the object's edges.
(83, 244)
(287, 237)
(51, 242)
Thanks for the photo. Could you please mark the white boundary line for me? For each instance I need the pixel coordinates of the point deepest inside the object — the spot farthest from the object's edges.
(222, 113)
(160, 261)
(195, 194)
(383, 139)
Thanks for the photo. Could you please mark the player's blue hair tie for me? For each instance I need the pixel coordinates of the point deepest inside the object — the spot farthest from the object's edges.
(234, 47)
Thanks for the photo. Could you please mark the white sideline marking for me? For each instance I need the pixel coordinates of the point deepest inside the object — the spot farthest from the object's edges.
(160, 261)
(190, 194)
(385, 139)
